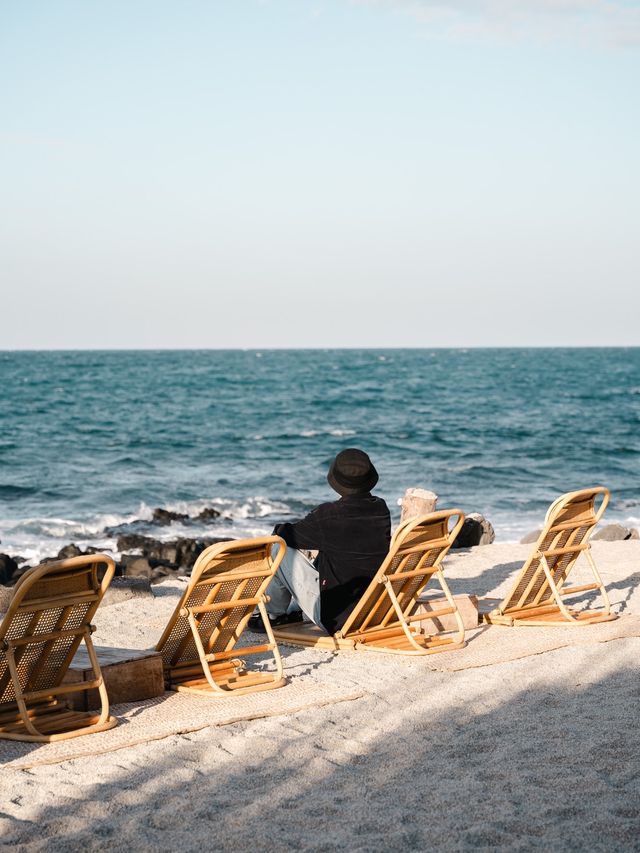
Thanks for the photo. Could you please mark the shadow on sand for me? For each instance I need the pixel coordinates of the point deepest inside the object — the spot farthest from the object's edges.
(553, 767)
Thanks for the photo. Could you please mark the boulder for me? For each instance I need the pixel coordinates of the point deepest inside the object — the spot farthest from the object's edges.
(168, 551)
(8, 567)
(476, 530)
(530, 538)
(136, 567)
(616, 533)
(69, 551)
(208, 514)
(166, 516)
(73, 550)
(137, 542)
(20, 571)
(177, 554)
(188, 551)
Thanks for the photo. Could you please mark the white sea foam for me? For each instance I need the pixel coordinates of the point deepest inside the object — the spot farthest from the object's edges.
(38, 537)
(253, 507)
(337, 432)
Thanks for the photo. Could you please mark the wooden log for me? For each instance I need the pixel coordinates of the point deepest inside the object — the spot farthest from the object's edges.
(417, 502)
(467, 607)
(130, 675)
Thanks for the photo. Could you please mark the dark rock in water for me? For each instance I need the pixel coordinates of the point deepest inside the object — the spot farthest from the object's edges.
(134, 541)
(8, 567)
(476, 530)
(69, 551)
(19, 572)
(174, 556)
(208, 514)
(161, 517)
(127, 528)
(616, 533)
(73, 550)
(530, 538)
(148, 568)
(188, 550)
(165, 516)
(168, 552)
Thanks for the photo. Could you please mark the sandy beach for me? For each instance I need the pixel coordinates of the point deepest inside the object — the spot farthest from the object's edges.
(537, 752)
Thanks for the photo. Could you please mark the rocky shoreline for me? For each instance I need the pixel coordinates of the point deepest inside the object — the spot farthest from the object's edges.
(150, 560)
(140, 555)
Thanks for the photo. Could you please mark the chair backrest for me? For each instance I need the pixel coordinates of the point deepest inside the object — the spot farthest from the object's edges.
(227, 581)
(416, 552)
(48, 616)
(569, 522)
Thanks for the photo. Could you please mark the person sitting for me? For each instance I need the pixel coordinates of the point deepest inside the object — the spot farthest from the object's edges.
(352, 537)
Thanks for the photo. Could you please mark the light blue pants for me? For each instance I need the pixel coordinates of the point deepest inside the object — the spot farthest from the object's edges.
(296, 582)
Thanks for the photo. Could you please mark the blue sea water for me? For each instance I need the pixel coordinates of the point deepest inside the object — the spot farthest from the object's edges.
(91, 440)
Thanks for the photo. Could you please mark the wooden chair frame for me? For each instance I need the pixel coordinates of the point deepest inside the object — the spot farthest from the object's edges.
(538, 593)
(26, 651)
(198, 645)
(384, 619)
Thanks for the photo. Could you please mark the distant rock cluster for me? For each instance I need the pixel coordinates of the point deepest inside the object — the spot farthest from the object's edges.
(142, 556)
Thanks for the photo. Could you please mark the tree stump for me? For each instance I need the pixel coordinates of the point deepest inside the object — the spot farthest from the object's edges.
(417, 502)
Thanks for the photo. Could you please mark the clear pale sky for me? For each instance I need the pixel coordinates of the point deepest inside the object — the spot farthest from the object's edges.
(309, 173)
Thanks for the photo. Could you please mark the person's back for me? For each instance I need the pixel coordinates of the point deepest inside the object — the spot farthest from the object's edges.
(352, 537)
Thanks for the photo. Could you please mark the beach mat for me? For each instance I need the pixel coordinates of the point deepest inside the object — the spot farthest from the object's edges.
(495, 644)
(175, 713)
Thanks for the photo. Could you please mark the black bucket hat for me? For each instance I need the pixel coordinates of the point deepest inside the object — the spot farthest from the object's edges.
(352, 472)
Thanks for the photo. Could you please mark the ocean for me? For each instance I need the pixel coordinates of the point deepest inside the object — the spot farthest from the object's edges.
(91, 442)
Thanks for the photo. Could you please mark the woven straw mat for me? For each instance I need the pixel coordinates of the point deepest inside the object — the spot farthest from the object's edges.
(175, 713)
(494, 644)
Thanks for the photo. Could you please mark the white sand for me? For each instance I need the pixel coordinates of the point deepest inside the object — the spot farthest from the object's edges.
(538, 753)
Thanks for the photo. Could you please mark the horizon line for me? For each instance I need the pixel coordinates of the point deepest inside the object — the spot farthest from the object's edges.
(459, 348)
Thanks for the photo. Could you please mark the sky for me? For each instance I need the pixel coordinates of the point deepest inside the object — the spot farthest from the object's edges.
(319, 173)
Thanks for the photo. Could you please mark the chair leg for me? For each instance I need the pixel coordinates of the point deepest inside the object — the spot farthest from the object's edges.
(203, 655)
(596, 574)
(272, 640)
(97, 673)
(417, 648)
(215, 687)
(444, 586)
(555, 591)
(103, 722)
(22, 705)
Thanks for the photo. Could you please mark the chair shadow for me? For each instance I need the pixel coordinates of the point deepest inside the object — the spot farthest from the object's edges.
(287, 651)
(484, 583)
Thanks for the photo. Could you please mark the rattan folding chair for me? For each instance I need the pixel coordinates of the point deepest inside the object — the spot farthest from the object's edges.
(537, 596)
(385, 618)
(48, 617)
(198, 646)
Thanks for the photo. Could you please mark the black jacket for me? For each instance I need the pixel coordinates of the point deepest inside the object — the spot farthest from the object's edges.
(352, 535)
